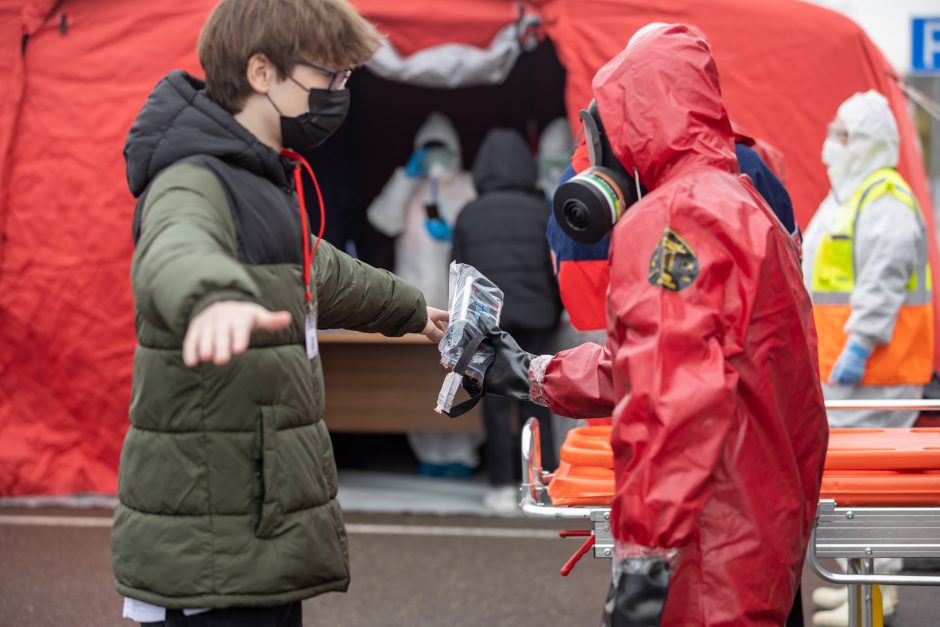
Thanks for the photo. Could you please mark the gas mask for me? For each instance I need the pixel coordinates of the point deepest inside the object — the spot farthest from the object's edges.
(441, 164)
(847, 165)
(588, 205)
(838, 161)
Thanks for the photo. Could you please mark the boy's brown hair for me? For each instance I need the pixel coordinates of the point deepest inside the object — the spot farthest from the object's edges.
(328, 32)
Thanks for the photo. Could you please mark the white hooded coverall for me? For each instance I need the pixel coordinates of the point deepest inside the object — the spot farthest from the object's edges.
(887, 237)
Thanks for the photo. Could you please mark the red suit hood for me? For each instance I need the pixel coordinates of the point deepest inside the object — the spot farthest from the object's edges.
(678, 120)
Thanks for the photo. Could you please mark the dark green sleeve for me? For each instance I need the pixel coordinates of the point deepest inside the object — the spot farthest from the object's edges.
(186, 255)
(354, 295)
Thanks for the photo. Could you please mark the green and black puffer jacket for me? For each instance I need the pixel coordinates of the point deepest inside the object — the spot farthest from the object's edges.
(227, 482)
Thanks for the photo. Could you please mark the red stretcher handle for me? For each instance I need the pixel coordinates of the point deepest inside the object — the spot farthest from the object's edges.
(575, 533)
(584, 548)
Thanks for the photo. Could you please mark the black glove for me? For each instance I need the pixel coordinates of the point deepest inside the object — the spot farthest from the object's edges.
(507, 375)
(638, 596)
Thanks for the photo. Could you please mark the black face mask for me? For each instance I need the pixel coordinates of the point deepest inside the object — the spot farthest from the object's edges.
(588, 205)
(326, 112)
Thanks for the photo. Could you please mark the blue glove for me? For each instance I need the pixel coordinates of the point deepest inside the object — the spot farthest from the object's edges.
(417, 164)
(438, 229)
(850, 367)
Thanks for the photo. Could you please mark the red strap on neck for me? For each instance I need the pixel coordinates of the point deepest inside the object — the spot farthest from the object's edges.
(309, 254)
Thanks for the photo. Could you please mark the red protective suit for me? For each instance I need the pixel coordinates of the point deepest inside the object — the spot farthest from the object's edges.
(710, 368)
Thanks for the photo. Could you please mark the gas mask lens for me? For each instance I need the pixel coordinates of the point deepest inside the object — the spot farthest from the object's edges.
(588, 205)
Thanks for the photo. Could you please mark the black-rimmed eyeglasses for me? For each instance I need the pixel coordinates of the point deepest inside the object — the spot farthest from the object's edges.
(338, 78)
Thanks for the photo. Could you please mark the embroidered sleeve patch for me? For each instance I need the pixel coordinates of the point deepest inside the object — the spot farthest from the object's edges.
(673, 265)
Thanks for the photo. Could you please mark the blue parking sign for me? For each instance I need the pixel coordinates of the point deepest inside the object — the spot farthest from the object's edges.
(925, 51)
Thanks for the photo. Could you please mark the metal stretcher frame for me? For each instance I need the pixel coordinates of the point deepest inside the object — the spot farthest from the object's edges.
(858, 534)
(534, 489)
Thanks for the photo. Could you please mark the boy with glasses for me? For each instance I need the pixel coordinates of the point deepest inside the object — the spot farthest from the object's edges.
(228, 512)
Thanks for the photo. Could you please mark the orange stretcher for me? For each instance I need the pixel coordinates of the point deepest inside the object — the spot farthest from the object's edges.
(880, 498)
(585, 474)
(863, 467)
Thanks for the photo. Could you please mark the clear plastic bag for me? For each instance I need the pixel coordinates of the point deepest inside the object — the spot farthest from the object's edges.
(475, 304)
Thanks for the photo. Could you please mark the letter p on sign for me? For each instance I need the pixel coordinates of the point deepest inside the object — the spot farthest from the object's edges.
(925, 50)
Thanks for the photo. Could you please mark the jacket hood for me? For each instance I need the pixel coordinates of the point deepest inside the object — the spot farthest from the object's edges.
(438, 128)
(873, 142)
(661, 106)
(179, 121)
(504, 163)
(868, 116)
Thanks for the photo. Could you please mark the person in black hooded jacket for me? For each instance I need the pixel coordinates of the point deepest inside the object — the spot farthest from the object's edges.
(502, 234)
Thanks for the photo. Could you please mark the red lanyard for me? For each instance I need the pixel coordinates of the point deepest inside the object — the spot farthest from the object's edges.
(304, 224)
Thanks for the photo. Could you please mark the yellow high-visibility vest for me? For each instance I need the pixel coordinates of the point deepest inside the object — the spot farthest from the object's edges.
(908, 358)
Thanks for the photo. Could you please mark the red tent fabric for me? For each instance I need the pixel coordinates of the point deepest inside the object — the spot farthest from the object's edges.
(70, 95)
(66, 310)
(414, 25)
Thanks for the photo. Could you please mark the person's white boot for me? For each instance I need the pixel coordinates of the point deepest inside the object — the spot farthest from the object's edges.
(836, 617)
(503, 501)
(829, 598)
(889, 600)
(839, 616)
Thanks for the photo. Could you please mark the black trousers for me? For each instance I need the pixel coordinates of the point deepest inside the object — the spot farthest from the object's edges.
(795, 619)
(501, 465)
(278, 616)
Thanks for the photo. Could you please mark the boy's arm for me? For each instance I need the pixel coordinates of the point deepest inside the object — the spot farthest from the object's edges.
(354, 295)
(185, 257)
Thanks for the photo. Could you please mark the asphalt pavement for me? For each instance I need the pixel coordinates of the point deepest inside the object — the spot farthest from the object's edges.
(407, 571)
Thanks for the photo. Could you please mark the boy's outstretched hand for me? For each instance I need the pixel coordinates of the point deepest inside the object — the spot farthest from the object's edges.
(437, 324)
(223, 329)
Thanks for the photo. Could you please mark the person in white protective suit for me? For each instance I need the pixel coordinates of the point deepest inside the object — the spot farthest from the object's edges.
(865, 265)
(419, 206)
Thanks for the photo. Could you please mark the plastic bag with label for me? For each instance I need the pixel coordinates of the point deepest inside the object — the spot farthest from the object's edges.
(475, 304)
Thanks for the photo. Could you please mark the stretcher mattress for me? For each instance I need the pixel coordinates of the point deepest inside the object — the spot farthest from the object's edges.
(585, 474)
(875, 467)
(881, 487)
(883, 449)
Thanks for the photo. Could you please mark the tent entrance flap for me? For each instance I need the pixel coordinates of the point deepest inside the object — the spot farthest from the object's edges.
(385, 115)
(453, 65)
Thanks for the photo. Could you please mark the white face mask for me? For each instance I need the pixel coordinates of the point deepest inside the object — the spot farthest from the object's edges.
(838, 161)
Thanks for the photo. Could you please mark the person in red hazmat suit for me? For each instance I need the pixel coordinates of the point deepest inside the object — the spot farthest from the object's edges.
(710, 367)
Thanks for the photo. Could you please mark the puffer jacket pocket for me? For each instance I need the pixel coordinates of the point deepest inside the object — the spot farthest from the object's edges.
(272, 510)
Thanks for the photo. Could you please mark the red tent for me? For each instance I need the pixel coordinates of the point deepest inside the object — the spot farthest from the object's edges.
(75, 73)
